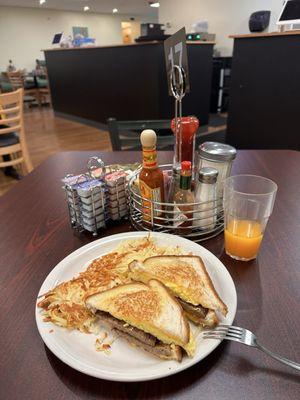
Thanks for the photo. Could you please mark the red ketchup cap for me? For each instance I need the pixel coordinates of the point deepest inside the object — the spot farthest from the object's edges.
(186, 166)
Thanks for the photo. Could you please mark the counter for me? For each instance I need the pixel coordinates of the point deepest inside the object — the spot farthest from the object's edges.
(265, 91)
(127, 82)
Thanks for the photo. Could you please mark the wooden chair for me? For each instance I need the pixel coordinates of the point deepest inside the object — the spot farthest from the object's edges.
(44, 92)
(17, 81)
(125, 135)
(12, 133)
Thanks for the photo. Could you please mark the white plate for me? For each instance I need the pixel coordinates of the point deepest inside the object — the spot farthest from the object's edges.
(125, 363)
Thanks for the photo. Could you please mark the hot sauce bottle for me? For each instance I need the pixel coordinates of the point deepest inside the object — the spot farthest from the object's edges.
(151, 180)
(183, 199)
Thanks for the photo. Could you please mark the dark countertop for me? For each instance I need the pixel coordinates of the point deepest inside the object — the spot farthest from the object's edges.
(265, 34)
(126, 45)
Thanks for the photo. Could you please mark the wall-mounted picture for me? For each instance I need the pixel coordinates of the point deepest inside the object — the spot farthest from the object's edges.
(82, 30)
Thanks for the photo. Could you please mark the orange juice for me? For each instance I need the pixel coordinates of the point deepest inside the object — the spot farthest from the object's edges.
(243, 239)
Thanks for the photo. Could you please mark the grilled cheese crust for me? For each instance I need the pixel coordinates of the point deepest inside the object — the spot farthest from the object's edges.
(149, 307)
(185, 276)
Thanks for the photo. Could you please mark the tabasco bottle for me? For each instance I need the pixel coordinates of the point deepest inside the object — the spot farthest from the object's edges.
(151, 180)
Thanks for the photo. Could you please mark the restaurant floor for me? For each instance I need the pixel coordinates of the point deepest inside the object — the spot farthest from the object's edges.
(47, 134)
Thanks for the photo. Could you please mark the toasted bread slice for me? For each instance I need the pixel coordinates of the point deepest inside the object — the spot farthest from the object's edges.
(185, 276)
(150, 308)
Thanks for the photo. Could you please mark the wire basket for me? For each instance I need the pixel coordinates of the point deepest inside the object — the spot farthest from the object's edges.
(202, 221)
(92, 210)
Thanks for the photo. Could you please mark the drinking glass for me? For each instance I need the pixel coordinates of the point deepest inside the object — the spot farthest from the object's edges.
(248, 203)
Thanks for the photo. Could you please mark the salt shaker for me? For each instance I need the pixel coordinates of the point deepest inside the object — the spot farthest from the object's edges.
(219, 156)
(206, 194)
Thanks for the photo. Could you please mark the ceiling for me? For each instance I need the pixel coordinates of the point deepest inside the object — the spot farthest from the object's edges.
(133, 7)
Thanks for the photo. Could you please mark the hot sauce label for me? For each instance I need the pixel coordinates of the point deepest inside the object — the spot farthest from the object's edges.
(147, 206)
(149, 158)
(179, 216)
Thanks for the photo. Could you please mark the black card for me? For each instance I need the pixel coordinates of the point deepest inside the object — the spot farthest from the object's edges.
(176, 54)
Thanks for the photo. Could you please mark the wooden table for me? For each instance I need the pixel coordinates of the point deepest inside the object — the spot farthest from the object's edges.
(35, 235)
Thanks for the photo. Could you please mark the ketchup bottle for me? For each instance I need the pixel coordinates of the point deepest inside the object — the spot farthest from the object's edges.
(185, 150)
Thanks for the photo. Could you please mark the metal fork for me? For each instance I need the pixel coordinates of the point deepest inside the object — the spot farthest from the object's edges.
(246, 337)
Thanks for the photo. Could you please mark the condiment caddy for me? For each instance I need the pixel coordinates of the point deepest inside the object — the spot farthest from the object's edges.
(190, 208)
(196, 220)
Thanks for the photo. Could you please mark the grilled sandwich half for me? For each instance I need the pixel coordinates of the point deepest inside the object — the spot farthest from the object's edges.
(148, 316)
(187, 279)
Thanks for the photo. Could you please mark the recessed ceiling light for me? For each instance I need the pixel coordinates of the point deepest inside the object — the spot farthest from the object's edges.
(154, 4)
(115, 10)
(42, 2)
(86, 8)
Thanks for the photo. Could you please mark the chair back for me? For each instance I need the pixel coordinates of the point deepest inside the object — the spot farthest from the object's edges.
(12, 123)
(125, 135)
(16, 79)
(11, 113)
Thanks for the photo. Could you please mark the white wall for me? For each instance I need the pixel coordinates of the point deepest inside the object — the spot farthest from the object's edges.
(25, 31)
(225, 17)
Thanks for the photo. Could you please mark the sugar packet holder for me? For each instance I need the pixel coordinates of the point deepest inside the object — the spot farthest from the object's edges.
(95, 197)
(78, 188)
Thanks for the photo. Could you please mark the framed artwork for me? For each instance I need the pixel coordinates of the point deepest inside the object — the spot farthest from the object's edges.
(82, 30)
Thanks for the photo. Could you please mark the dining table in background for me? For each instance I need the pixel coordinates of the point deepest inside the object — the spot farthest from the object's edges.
(35, 235)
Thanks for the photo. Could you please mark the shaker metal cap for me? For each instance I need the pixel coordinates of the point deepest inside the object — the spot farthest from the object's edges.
(208, 175)
(214, 151)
